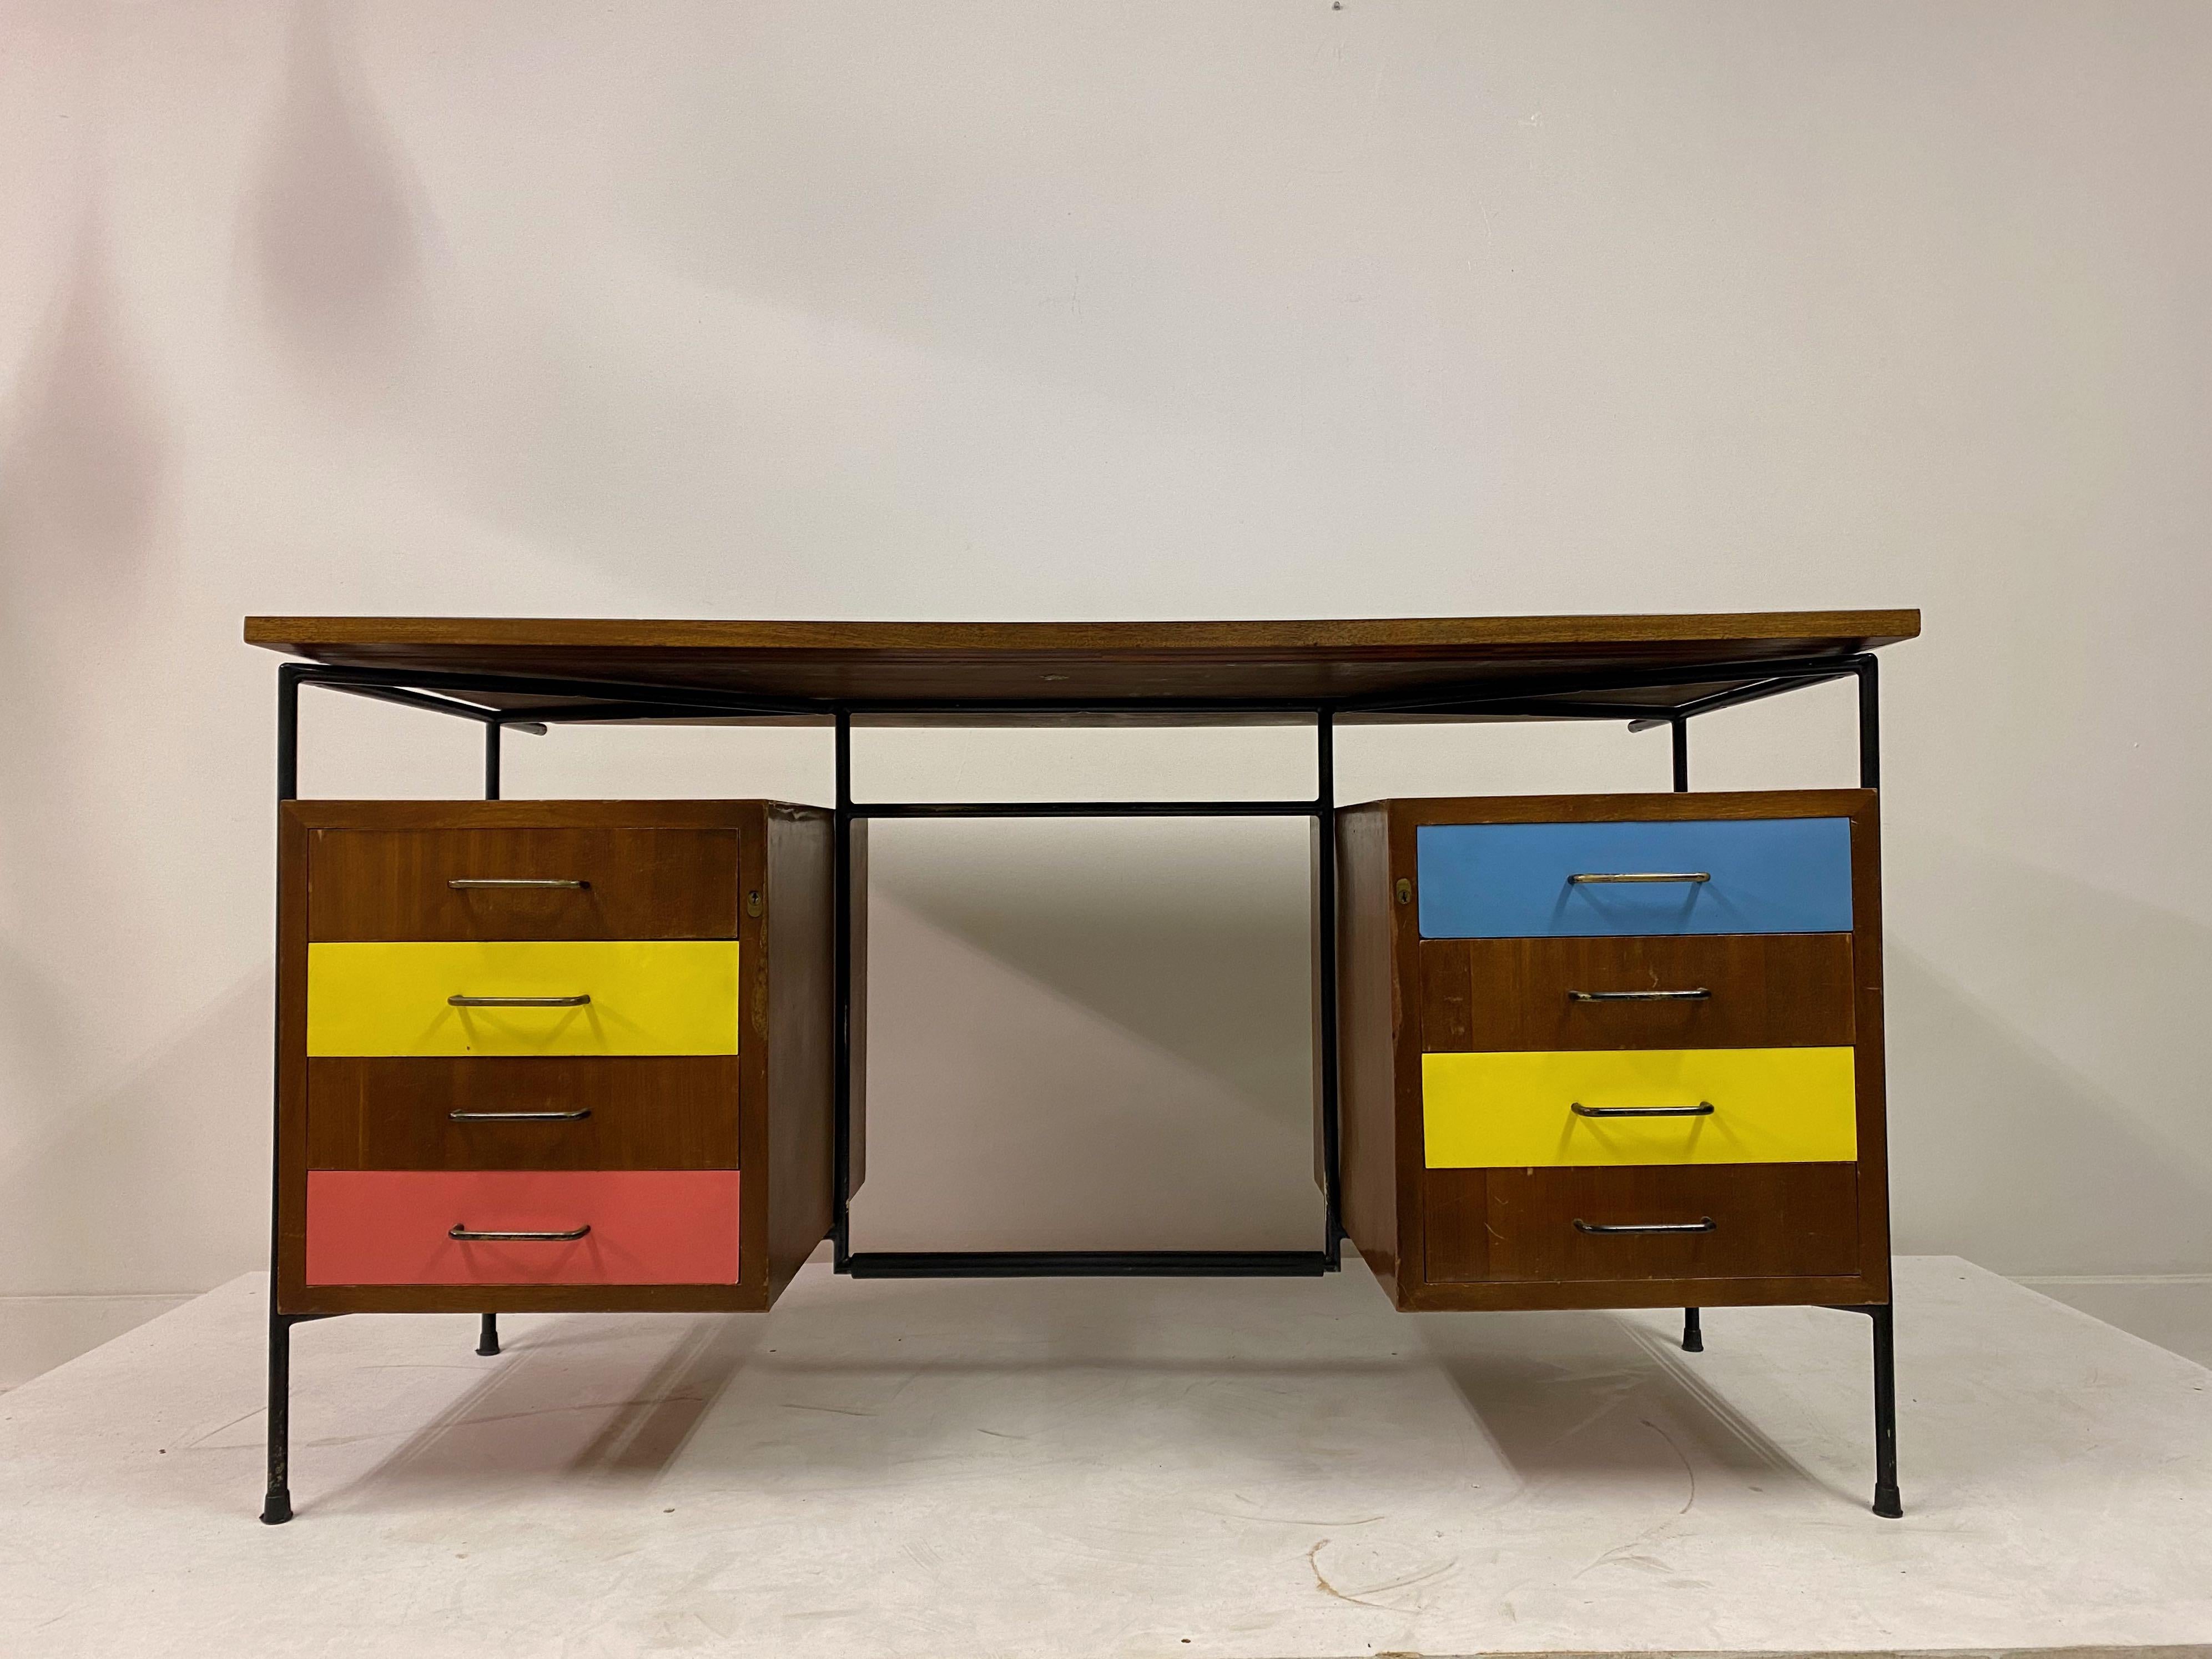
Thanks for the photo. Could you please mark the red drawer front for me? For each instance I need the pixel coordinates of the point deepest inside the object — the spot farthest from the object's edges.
(647, 1226)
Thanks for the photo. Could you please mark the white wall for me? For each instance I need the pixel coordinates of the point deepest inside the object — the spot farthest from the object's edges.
(1207, 309)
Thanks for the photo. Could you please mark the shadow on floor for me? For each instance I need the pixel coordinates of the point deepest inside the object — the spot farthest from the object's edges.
(1589, 1398)
(574, 1399)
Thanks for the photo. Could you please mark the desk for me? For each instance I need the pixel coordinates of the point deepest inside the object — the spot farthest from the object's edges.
(799, 1077)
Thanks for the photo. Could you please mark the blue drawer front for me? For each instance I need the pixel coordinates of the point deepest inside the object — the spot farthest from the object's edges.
(1513, 880)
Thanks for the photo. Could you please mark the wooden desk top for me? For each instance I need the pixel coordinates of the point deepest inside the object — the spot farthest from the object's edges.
(879, 668)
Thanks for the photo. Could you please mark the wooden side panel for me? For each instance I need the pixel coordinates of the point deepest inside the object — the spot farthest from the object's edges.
(856, 916)
(798, 936)
(1871, 1081)
(1367, 1041)
(1763, 990)
(289, 1187)
(677, 1113)
(640, 882)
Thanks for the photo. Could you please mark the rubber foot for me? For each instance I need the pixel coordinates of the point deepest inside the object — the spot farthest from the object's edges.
(1692, 1342)
(489, 1346)
(278, 1508)
(1887, 1504)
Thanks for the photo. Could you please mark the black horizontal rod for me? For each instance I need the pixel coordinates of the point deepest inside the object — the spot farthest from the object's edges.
(1470, 698)
(1157, 707)
(406, 699)
(1087, 809)
(1088, 1264)
(1549, 709)
(671, 696)
(1740, 694)
(608, 713)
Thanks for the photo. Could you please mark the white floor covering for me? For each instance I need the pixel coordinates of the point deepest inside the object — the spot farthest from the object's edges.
(1269, 1468)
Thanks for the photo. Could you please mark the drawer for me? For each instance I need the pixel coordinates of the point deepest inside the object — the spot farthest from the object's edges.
(1767, 1220)
(606, 884)
(644, 996)
(1564, 880)
(1727, 991)
(1750, 1106)
(678, 1112)
(641, 1226)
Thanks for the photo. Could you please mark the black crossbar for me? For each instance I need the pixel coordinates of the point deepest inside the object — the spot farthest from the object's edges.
(1087, 809)
(1088, 1264)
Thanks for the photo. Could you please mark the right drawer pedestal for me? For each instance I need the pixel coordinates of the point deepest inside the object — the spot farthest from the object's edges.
(1614, 1050)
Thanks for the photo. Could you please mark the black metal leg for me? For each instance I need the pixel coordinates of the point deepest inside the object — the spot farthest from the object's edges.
(1885, 1499)
(277, 1508)
(276, 1505)
(1869, 673)
(488, 1338)
(1693, 1333)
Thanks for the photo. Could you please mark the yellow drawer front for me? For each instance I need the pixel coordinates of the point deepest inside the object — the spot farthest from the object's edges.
(1516, 1110)
(647, 997)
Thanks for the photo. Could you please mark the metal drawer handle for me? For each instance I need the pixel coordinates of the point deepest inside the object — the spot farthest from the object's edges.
(1698, 995)
(1703, 1108)
(519, 1002)
(1692, 875)
(460, 1230)
(519, 1117)
(1703, 1226)
(511, 881)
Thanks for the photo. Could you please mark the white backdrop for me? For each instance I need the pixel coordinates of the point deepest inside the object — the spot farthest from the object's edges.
(1134, 310)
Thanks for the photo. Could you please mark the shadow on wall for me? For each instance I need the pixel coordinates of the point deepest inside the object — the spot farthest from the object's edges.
(334, 228)
(84, 455)
(170, 1163)
(2043, 1112)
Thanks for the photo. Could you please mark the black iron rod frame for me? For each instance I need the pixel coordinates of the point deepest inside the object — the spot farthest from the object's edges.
(1090, 1264)
(596, 701)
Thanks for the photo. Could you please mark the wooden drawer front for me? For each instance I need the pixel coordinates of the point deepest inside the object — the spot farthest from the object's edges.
(1517, 1109)
(1769, 1220)
(674, 1113)
(1518, 880)
(1761, 990)
(650, 997)
(365, 884)
(646, 1226)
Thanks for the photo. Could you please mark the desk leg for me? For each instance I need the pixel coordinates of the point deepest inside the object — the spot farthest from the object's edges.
(488, 1335)
(1693, 1333)
(1887, 1502)
(277, 1508)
